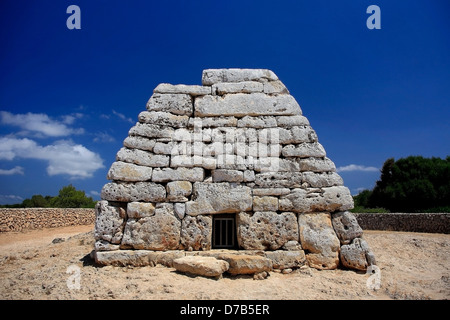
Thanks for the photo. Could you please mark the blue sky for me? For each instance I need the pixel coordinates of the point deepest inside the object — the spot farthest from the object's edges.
(69, 97)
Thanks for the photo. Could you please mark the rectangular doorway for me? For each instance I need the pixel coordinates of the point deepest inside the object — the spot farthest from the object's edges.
(224, 231)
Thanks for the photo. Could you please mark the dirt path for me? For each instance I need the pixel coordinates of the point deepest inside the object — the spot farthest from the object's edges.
(412, 266)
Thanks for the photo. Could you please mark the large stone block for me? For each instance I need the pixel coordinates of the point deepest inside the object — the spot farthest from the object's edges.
(179, 174)
(222, 88)
(137, 258)
(178, 191)
(357, 255)
(202, 266)
(196, 232)
(129, 172)
(279, 179)
(129, 192)
(265, 203)
(212, 76)
(242, 104)
(283, 259)
(316, 164)
(266, 230)
(247, 264)
(291, 121)
(163, 119)
(346, 226)
(317, 200)
(109, 222)
(180, 104)
(138, 142)
(158, 232)
(151, 131)
(142, 158)
(323, 179)
(192, 90)
(223, 175)
(304, 150)
(140, 209)
(211, 198)
(319, 240)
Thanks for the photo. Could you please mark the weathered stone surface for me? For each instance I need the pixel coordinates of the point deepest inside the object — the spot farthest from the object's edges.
(151, 131)
(292, 246)
(158, 232)
(296, 135)
(166, 148)
(178, 191)
(109, 222)
(324, 179)
(242, 104)
(192, 90)
(317, 200)
(266, 230)
(211, 198)
(223, 175)
(137, 258)
(202, 266)
(257, 122)
(265, 203)
(129, 192)
(180, 104)
(169, 174)
(138, 142)
(249, 176)
(212, 76)
(271, 191)
(143, 158)
(346, 226)
(246, 264)
(179, 209)
(357, 255)
(316, 165)
(212, 122)
(193, 161)
(275, 87)
(128, 172)
(291, 121)
(196, 232)
(282, 259)
(319, 239)
(237, 87)
(304, 150)
(279, 179)
(102, 245)
(163, 119)
(140, 209)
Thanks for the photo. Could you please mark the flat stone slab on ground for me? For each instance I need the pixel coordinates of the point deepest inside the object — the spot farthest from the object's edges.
(202, 266)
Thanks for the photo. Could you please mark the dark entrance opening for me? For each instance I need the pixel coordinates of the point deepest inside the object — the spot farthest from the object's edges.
(224, 231)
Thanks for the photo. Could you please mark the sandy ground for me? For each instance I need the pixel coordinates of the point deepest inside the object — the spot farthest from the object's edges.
(412, 266)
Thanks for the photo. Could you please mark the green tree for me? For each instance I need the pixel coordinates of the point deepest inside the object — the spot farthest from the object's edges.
(70, 197)
(412, 184)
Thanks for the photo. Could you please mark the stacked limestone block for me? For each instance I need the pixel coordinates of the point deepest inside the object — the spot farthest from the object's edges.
(237, 145)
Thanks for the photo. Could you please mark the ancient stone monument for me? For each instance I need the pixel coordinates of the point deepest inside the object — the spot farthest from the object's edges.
(229, 171)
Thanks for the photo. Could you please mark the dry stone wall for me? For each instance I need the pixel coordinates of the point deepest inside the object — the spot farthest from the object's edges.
(237, 146)
(20, 219)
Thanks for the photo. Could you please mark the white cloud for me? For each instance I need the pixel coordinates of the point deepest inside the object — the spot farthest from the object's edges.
(122, 116)
(355, 167)
(42, 124)
(95, 193)
(103, 137)
(10, 199)
(10, 172)
(64, 157)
